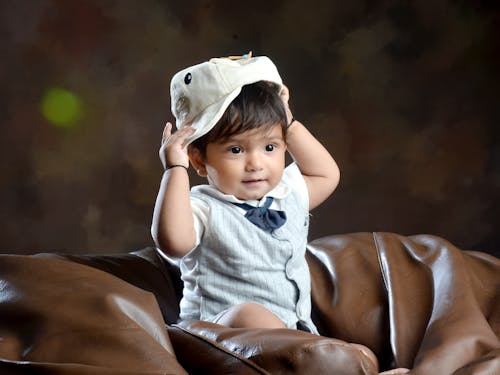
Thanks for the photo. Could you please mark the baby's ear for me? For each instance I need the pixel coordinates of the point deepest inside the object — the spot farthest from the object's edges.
(197, 161)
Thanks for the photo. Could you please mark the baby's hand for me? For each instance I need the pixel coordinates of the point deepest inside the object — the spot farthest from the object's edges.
(173, 150)
(285, 97)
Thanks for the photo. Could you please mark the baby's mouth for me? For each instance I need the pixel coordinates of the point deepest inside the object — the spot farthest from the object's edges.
(253, 181)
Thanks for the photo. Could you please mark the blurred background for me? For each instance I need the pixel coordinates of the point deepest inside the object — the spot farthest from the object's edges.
(404, 94)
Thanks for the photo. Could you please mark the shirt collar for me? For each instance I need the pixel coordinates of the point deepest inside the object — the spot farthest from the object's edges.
(278, 193)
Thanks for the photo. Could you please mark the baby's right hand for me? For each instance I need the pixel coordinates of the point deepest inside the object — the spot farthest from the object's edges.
(173, 150)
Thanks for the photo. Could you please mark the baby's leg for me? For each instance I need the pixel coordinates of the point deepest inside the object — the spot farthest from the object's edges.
(250, 315)
(395, 371)
(254, 315)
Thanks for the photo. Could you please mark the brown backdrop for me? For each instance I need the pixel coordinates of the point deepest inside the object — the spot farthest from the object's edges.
(404, 94)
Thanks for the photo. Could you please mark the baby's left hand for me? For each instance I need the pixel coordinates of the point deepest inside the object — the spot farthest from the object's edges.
(285, 97)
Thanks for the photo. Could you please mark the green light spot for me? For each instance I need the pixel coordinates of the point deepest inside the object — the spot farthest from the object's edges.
(61, 107)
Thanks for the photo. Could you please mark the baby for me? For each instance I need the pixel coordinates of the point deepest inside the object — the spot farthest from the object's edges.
(241, 239)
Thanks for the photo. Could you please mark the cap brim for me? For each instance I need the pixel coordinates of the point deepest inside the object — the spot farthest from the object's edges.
(210, 116)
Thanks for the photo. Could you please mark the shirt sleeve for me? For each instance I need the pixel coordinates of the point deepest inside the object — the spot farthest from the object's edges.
(200, 214)
(293, 178)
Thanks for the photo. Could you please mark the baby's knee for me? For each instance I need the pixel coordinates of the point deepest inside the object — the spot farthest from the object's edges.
(250, 315)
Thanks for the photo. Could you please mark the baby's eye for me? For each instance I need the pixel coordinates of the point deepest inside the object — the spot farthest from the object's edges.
(270, 148)
(235, 150)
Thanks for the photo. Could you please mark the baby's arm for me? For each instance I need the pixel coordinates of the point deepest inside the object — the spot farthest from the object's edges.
(173, 226)
(318, 167)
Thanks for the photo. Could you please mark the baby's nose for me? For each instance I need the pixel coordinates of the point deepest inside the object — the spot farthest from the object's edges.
(253, 161)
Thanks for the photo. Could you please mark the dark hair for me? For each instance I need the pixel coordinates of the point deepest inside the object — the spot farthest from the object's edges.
(258, 106)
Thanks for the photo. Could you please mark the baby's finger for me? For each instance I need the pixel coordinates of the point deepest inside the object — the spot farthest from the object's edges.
(187, 132)
(284, 94)
(179, 138)
(167, 131)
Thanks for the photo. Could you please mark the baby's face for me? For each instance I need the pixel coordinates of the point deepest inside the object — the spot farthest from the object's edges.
(247, 165)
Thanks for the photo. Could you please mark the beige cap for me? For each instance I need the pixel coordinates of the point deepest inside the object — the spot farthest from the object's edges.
(201, 93)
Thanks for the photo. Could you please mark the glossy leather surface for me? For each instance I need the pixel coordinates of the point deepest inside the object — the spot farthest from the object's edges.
(414, 301)
(62, 317)
(418, 302)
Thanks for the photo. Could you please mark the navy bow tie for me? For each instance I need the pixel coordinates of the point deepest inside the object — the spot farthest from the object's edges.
(263, 216)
